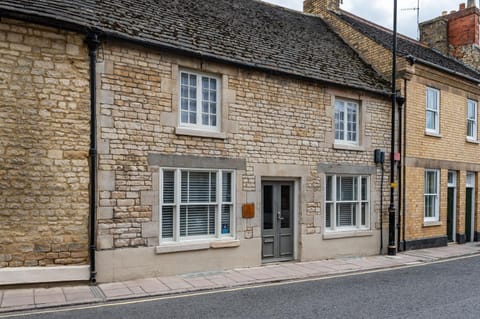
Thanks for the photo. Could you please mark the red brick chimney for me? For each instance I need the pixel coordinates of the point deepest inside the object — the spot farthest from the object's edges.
(456, 34)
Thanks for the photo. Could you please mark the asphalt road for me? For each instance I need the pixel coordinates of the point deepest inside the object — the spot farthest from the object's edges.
(440, 290)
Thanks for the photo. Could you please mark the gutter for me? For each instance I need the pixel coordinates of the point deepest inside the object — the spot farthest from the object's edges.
(412, 59)
(93, 42)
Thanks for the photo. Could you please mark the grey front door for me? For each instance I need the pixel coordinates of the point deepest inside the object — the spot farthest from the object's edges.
(277, 221)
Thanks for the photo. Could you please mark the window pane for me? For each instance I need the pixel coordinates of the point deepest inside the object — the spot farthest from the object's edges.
(347, 188)
(364, 214)
(328, 215)
(430, 182)
(197, 220)
(346, 214)
(430, 206)
(226, 217)
(328, 188)
(267, 207)
(199, 186)
(470, 179)
(213, 187)
(184, 92)
(184, 78)
(432, 99)
(205, 83)
(285, 206)
(184, 105)
(364, 189)
(339, 120)
(205, 119)
(431, 120)
(471, 110)
(451, 178)
(227, 187)
(193, 80)
(193, 117)
(167, 221)
(205, 107)
(168, 187)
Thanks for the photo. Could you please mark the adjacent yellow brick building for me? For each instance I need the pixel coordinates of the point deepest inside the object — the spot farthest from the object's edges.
(439, 131)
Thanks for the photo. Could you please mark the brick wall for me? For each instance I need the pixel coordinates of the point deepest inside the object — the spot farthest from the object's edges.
(463, 29)
(450, 150)
(44, 140)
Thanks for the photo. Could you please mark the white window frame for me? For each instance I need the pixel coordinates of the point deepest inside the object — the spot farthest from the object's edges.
(346, 105)
(473, 121)
(178, 203)
(199, 99)
(436, 129)
(436, 212)
(333, 218)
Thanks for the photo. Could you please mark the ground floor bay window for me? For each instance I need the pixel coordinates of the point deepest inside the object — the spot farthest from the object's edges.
(347, 203)
(196, 204)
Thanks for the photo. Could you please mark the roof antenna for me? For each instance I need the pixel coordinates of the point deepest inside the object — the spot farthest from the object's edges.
(418, 16)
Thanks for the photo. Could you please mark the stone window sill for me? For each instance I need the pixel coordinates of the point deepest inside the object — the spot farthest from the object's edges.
(200, 133)
(471, 140)
(432, 223)
(433, 134)
(347, 234)
(193, 246)
(348, 147)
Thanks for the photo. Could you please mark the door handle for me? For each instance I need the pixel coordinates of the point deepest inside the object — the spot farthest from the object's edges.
(279, 215)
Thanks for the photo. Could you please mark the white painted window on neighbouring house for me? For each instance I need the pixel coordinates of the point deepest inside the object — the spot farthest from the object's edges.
(196, 204)
(432, 195)
(199, 101)
(346, 122)
(347, 203)
(433, 111)
(472, 120)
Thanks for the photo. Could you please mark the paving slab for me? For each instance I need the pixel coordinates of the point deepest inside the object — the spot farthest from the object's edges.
(31, 298)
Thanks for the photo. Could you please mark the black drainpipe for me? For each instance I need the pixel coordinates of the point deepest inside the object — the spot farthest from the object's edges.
(400, 184)
(93, 42)
(404, 165)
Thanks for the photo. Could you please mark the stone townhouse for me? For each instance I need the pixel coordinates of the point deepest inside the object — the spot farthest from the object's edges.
(440, 151)
(165, 137)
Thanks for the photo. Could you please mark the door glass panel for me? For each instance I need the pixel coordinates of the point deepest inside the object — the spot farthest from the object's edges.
(285, 206)
(267, 206)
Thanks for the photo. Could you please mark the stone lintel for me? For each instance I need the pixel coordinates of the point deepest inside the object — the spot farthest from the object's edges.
(182, 161)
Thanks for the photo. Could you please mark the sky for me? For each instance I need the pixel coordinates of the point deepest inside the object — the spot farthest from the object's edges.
(381, 11)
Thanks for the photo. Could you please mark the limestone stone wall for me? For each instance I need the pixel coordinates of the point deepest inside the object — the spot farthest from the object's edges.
(44, 142)
(267, 120)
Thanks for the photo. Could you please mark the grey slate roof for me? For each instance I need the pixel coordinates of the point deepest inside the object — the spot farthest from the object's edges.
(407, 46)
(246, 32)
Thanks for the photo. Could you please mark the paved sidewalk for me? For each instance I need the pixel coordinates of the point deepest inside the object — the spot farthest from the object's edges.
(35, 298)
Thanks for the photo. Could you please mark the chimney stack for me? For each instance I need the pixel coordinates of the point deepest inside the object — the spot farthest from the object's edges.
(462, 6)
(471, 3)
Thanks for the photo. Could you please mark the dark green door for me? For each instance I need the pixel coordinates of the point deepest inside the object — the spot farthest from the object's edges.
(451, 213)
(468, 214)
